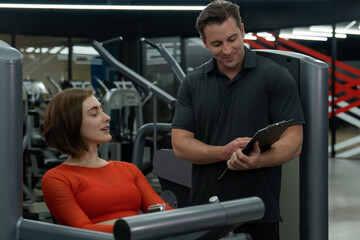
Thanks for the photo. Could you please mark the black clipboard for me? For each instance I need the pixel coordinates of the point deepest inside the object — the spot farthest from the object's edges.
(267, 136)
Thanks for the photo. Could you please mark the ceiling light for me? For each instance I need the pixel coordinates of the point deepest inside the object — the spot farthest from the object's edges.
(102, 7)
(250, 36)
(55, 50)
(64, 51)
(312, 33)
(84, 50)
(29, 49)
(302, 37)
(348, 31)
(325, 28)
(328, 28)
(270, 38)
(320, 34)
(350, 25)
(340, 35)
(264, 34)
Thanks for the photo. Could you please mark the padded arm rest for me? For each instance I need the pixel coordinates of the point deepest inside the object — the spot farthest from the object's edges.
(189, 219)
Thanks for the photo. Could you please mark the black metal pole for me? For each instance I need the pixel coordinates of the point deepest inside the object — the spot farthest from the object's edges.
(13, 40)
(70, 58)
(333, 80)
(276, 35)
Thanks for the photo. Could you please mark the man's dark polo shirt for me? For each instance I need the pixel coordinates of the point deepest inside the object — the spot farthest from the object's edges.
(218, 110)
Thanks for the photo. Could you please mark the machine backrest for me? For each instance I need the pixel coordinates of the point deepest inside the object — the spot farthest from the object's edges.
(174, 175)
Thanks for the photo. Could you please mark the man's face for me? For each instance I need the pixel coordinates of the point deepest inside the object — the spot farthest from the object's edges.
(226, 43)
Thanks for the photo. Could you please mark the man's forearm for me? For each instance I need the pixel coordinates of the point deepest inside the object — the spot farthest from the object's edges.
(286, 148)
(187, 147)
(197, 152)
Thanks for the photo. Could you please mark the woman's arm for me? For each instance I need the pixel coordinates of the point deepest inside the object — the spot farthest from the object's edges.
(148, 196)
(63, 206)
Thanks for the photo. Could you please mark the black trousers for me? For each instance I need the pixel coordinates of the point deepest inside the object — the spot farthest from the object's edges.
(260, 231)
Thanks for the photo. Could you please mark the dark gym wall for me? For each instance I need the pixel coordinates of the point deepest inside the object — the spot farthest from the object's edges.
(258, 15)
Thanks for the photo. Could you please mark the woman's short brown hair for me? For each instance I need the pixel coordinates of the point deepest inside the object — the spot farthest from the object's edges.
(63, 122)
(218, 12)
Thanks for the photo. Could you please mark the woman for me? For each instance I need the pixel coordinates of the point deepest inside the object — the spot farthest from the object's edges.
(86, 191)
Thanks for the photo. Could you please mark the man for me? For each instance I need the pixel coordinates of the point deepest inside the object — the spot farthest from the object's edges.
(223, 103)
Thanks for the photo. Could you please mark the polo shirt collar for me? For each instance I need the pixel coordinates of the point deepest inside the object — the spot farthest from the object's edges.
(249, 61)
(210, 65)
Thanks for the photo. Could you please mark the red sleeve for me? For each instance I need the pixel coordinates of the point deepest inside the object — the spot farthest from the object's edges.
(148, 195)
(63, 206)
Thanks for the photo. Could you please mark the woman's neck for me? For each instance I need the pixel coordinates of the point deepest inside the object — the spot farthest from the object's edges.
(87, 159)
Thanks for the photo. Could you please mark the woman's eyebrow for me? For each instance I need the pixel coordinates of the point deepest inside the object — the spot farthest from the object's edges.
(94, 108)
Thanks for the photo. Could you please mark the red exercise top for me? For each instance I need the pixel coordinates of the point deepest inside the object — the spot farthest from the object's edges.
(82, 196)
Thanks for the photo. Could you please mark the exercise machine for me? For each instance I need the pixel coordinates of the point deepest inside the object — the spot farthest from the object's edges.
(135, 78)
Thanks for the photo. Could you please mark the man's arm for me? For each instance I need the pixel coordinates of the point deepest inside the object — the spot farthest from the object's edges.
(286, 148)
(186, 147)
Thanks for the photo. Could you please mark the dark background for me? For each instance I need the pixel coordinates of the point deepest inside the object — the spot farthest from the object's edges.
(258, 15)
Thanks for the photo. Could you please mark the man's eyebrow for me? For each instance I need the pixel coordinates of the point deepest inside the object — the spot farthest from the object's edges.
(218, 41)
(235, 34)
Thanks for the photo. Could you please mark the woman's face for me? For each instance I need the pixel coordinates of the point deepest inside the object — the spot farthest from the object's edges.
(95, 128)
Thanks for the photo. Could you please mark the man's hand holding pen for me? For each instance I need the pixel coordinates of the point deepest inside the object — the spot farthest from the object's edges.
(233, 146)
(240, 161)
(231, 150)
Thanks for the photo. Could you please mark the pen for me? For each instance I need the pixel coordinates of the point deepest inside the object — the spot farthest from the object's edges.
(222, 174)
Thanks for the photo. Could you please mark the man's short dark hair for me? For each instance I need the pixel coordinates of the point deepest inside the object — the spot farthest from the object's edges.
(63, 122)
(217, 12)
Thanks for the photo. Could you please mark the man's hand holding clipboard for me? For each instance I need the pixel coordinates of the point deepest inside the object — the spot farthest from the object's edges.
(265, 137)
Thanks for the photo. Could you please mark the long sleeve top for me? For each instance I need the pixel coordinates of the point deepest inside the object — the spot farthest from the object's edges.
(81, 196)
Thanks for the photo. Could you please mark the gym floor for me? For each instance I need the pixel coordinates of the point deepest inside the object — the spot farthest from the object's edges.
(344, 190)
(344, 199)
